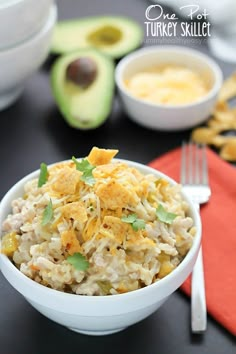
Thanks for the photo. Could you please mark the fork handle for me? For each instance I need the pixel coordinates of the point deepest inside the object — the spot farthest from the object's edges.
(198, 297)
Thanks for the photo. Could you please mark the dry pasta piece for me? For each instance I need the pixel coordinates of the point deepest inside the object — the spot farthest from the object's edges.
(221, 106)
(219, 140)
(228, 151)
(225, 116)
(228, 89)
(220, 126)
(203, 135)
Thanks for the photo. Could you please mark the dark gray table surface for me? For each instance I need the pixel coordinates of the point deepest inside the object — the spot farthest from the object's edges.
(33, 131)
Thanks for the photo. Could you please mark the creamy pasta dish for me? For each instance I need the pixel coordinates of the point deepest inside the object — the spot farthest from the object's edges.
(96, 226)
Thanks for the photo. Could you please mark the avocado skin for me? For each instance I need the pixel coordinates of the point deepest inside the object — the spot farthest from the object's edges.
(80, 31)
(85, 108)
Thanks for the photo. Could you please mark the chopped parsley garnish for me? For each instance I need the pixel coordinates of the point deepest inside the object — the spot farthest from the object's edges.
(87, 169)
(136, 223)
(47, 214)
(78, 261)
(164, 215)
(43, 176)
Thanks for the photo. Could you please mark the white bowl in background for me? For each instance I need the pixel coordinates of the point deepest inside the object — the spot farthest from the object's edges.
(18, 63)
(98, 315)
(161, 116)
(21, 19)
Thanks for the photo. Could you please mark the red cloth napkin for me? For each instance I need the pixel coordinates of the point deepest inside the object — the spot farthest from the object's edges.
(219, 235)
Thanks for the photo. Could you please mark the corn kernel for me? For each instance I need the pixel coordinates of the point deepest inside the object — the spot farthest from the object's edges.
(178, 239)
(9, 244)
(163, 257)
(166, 268)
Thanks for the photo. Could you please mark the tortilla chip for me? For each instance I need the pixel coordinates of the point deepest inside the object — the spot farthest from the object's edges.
(66, 181)
(109, 170)
(228, 151)
(114, 195)
(114, 228)
(101, 156)
(75, 211)
(70, 242)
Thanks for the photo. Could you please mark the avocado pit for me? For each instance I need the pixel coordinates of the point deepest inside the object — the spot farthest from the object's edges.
(82, 71)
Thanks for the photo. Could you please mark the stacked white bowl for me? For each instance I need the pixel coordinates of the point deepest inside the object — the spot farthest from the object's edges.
(26, 28)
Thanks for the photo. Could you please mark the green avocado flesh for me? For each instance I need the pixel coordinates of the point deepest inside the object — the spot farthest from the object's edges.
(84, 108)
(113, 35)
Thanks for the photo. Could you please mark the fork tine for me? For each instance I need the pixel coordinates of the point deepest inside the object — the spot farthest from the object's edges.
(204, 166)
(183, 164)
(194, 168)
(190, 164)
(193, 174)
(197, 163)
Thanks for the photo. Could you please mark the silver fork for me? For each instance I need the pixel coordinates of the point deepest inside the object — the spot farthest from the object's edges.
(194, 180)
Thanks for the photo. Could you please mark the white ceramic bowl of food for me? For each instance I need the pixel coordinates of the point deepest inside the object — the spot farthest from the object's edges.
(167, 116)
(98, 315)
(21, 19)
(18, 63)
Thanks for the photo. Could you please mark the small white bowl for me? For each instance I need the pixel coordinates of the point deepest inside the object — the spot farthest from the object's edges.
(21, 19)
(168, 117)
(18, 63)
(98, 315)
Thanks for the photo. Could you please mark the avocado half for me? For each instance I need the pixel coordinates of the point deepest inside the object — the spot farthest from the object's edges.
(113, 35)
(84, 107)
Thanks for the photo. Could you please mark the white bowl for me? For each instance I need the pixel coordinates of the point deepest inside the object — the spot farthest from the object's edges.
(168, 117)
(18, 63)
(21, 19)
(97, 315)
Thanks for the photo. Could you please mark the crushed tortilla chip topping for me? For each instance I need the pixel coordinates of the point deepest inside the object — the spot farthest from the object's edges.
(114, 195)
(76, 211)
(101, 156)
(70, 242)
(66, 181)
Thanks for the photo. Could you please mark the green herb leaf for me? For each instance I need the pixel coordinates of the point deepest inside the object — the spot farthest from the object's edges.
(78, 261)
(47, 214)
(137, 224)
(87, 169)
(87, 178)
(43, 176)
(129, 219)
(164, 215)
